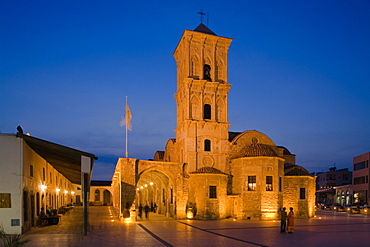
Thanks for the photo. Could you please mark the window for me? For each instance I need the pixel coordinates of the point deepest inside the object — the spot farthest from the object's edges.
(97, 195)
(5, 200)
(43, 174)
(212, 192)
(185, 169)
(51, 178)
(31, 171)
(361, 165)
(207, 111)
(268, 183)
(361, 180)
(302, 193)
(280, 184)
(207, 145)
(171, 194)
(252, 183)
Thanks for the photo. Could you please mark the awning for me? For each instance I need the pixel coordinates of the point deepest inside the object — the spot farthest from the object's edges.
(65, 160)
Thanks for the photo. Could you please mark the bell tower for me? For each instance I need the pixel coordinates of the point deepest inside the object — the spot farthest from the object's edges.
(202, 99)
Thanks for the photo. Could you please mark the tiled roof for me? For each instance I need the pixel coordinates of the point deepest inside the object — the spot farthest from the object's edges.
(208, 169)
(257, 149)
(294, 170)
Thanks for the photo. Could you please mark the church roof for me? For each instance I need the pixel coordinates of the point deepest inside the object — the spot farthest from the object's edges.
(204, 29)
(285, 150)
(207, 169)
(232, 135)
(257, 149)
(294, 170)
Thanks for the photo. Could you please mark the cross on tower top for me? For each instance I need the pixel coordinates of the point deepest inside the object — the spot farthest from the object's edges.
(201, 13)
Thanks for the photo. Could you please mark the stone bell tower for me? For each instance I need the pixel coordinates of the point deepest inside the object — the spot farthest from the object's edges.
(202, 99)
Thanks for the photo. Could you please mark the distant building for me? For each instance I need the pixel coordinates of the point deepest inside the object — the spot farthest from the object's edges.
(344, 194)
(327, 181)
(332, 178)
(361, 174)
(36, 173)
(101, 193)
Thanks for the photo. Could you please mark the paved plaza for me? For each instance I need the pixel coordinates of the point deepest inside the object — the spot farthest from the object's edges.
(326, 229)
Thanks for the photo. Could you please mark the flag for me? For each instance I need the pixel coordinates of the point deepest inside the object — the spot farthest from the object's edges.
(127, 120)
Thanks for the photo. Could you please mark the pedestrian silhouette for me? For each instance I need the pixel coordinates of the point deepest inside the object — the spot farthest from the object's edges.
(140, 211)
(146, 210)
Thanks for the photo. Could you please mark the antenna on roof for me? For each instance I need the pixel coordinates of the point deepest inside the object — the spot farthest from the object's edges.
(201, 15)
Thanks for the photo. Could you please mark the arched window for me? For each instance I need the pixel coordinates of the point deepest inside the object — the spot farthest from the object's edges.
(207, 145)
(185, 169)
(97, 195)
(207, 72)
(207, 111)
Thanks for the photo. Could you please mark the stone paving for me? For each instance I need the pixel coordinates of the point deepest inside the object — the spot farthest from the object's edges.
(327, 229)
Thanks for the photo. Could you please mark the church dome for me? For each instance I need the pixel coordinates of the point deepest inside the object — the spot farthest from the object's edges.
(207, 169)
(256, 149)
(295, 170)
(252, 143)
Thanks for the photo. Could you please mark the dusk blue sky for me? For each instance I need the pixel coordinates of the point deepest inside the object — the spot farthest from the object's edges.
(300, 72)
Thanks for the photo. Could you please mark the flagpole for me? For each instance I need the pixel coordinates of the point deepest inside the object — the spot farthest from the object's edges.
(126, 129)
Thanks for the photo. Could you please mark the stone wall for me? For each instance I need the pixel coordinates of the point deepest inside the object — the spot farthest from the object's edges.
(206, 207)
(303, 208)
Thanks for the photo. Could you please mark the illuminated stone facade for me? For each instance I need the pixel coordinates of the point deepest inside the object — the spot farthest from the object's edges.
(208, 172)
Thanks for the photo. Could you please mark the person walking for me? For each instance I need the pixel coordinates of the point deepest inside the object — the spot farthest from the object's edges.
(283, 219)
(291, 221)
(140, 211)
(146, 210)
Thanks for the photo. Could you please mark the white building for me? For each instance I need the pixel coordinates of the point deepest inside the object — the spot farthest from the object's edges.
(36, 173)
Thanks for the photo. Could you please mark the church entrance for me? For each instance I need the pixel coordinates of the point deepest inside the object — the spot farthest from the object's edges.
(156, 190)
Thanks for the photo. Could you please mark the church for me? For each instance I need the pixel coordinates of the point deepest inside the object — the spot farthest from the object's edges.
(208, 172)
